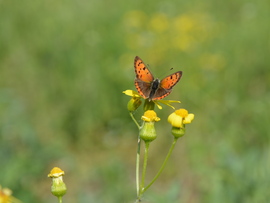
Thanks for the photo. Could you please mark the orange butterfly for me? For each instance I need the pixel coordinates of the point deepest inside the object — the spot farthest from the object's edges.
(150, 88)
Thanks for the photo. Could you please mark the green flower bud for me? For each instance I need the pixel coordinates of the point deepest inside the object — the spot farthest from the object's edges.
(148, 131)
(178, 132)
(58, 188)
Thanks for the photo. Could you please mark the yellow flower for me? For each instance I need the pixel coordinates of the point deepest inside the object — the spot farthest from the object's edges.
(58, 186)
(150, 115)
(56, 173)
(180, 117)
(5, 196)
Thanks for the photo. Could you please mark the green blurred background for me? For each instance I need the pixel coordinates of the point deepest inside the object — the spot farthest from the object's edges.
(64, 65)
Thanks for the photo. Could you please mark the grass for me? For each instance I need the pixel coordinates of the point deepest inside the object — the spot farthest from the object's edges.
(63, 66)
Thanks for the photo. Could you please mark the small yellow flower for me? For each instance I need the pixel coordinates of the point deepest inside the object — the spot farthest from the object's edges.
(180, 117)
(56, 172)
(58, 186)
(5, 196)
(150, 115)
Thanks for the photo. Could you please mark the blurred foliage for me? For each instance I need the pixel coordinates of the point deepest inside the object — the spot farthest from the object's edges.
(64, 65)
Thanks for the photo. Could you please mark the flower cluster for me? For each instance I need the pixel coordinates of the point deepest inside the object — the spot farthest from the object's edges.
(177, 119)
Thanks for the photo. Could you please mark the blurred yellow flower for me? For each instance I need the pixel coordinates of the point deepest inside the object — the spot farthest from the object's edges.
(213, 62)
(134, 23)
(134, 19)
(5, 196)
(184, 29)
(183, 42)
(184, 23)
(159, 22)
(161, 32)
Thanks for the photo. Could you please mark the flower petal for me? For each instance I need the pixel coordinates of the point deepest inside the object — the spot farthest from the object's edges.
(189, 118)
(131, 93)
(159, 106)
(166, 102)
(175, 120)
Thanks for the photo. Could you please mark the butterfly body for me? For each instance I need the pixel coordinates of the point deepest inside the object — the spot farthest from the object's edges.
(150, 88)
(154, 88)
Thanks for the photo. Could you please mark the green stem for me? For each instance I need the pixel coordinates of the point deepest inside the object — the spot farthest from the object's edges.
(59, 199)
(138, 166)
(162, 167)
(144, 169)
(131, 115)
(137, 157)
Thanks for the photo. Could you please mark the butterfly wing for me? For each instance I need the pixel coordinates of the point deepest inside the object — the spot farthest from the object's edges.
(166, 85)
(143, 79)
(143, 88)
(171, 80)
(142, 72)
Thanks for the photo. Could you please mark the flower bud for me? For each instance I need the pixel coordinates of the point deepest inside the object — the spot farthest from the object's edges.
(178, 132)
(148, 131)
(134, 103)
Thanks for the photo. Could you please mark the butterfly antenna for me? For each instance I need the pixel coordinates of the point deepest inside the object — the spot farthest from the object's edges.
(167, 72)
